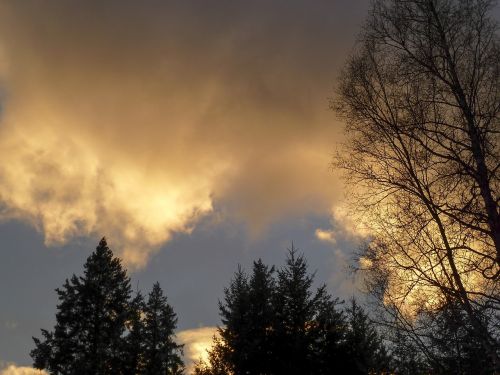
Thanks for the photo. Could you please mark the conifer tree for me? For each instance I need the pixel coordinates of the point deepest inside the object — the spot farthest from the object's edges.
(407, 357)
(162, 355)
(218, 363)
(278, 324)
(244, 344)
(133, 343)
(366, 353)
(329, 333)
(455, 347)
(90, 320)
(231, 349)
(296, 310)
(259, 347)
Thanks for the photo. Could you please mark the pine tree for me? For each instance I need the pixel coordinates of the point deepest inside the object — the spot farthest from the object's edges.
(162, 355)
(273, 325)
(244, 344)
(329, 333)
(231, 349)
(296, 309)
(456, 348)
(366, 353)
(407, 357)
(90, 320)
(218, 363)
(133, 343)
(259, 344)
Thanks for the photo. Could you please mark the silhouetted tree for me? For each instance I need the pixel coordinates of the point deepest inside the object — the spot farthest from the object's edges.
(260, 355)
(421, 100)
(328, 332)
(366, 352)
(277, 324)
(296, 310)
(455, 346)
(230, 350)
(90, 320)
(133, 343)
(407, 357)
(244, 345)
(100, 330)
(218, 363)
(162, 355)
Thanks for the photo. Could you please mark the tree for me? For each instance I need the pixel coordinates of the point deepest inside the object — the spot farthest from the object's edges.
(277, 324)
(162, 355)
(259, 348)
(234, 313)
(407, 358)
(133, 342)
(297, 308)
(90, 320)
(218, 363)
(329, 331)
(455, 347)
(366, 353)
(244, 345)
(101, 330)
(421, 101)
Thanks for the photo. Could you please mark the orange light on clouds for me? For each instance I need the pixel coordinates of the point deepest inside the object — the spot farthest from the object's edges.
(135, 133)
(196, 342)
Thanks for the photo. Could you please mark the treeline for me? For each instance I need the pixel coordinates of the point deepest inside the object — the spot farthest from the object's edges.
(273, 322)
(102, 328)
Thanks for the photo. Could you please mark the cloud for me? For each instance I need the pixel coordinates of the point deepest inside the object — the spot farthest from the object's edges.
(325, 235)
(13, 369)
(345, 226)
(135, 120)
(346, 233)
(196, 343)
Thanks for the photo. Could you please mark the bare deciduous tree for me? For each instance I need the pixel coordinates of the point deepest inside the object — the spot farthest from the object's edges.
(421, 97)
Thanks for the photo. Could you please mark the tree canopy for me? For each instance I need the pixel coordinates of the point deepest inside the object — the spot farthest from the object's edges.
(277, 323)
(420, 96)
(101, 330)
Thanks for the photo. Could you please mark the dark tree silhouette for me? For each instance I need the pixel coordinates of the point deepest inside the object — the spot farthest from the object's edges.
(420, 97)
(365, 350)
(133, 343)
(91, 320)
(455, 346)
(218, 363)
(260, 355)
(296, 310)
(100, 330)
(245, 345)
(277, 324)
(162, 355)
(234, 315)
(407, 357)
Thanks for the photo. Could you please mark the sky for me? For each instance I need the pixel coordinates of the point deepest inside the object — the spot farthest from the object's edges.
(194, 135)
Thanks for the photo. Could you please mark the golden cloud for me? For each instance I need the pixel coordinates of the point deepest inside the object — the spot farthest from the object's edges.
(326, 235)
(196, 342)
(12, 369)
(135, 121)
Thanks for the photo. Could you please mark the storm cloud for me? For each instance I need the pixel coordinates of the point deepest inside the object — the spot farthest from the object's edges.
(136, 121)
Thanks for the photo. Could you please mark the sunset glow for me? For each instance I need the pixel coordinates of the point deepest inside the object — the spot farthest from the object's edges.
(249, 187)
